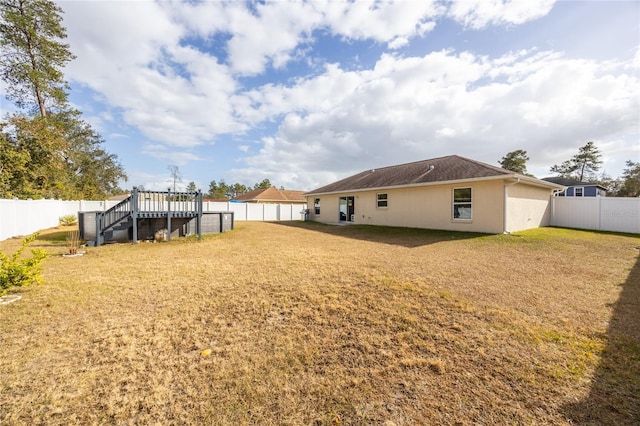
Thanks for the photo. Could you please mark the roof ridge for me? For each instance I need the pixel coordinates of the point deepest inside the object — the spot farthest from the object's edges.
(409, 163)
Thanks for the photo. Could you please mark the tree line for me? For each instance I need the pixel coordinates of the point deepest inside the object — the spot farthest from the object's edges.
(46, 149)
(217, 190)
(583, 167)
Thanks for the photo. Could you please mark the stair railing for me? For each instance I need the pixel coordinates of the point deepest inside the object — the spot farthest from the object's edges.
(116, 213)
(177, 204)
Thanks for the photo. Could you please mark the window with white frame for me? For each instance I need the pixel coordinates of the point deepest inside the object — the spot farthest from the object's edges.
(462, 203)
(382, 201)
(316, 205)
(578, 191)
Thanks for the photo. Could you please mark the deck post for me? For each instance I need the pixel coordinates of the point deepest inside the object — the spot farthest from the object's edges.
(134, 213)
(99, 226)
(169, 214)
(199, 211)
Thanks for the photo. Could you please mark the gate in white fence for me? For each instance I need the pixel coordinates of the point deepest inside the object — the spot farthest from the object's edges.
(598, 213)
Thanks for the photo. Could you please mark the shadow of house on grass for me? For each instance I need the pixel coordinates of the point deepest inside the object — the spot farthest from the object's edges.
(614, 398)
(405, 237)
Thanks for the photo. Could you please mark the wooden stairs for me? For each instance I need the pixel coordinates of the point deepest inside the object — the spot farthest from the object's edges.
(141, 205)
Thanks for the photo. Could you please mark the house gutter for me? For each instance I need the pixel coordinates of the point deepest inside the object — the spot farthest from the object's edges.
(506, 196)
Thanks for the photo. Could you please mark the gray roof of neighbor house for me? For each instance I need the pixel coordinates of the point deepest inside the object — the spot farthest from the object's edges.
(435, 170)
(570, 182)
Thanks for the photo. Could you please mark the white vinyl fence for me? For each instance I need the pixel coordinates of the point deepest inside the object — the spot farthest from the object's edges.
(23, 217)
(598, 213)
(257, 211)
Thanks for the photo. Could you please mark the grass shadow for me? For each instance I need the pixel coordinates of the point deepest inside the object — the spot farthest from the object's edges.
(55, 237)
(614, 397)
(406, 237)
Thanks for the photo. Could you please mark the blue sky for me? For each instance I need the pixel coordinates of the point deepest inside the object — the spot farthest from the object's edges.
(307, 93)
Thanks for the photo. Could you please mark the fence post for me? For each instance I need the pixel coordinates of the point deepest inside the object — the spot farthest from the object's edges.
(599, 213)
(199, 209)
(169, 214)
(134, 213)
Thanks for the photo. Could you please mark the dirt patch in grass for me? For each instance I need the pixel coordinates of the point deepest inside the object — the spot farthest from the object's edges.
(302, 323)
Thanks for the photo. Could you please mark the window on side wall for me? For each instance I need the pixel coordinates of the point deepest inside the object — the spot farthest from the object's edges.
(462, 203)
(382, 201)
(578, 191)
(316, 205)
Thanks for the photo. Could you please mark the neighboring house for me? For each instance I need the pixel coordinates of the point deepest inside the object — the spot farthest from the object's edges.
(451, 193)
(575, 188)
(272, 195)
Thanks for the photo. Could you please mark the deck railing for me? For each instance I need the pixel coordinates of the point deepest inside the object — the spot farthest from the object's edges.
(115, 214)
(179, 203)
(150, 204)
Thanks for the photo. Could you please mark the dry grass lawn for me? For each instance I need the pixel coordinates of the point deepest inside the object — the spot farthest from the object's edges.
(306, 324)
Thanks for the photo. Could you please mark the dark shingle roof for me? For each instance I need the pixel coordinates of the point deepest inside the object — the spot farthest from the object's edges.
(443, 169)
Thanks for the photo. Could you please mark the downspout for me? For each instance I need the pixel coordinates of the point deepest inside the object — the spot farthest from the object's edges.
(504, 212)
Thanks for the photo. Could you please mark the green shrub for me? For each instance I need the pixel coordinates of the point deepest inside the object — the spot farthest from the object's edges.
(67, 220)
(16, 270)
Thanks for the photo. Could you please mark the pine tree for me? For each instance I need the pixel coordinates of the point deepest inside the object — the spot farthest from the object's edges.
(515, 161)
(630, 180)
(33, 54)
(64, 154)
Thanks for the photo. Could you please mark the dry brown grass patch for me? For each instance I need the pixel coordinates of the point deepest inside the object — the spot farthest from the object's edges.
(303, 323)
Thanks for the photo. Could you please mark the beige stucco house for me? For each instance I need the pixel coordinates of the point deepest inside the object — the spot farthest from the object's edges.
(450, 193)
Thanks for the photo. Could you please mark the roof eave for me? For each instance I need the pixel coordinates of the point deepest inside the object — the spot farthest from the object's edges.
(515, 177)
(537, 182)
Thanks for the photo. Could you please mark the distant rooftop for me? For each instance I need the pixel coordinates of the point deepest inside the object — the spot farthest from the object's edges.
(271, 195)
(570, 182)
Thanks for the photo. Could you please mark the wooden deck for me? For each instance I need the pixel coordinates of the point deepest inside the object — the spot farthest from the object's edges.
(149, 205)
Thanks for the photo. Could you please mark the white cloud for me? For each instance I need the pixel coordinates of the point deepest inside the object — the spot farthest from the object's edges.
(172, 93)
(178, 77)
(383, 21)
(446, 103)
(161, 152)
(481, 13)
(263, 35)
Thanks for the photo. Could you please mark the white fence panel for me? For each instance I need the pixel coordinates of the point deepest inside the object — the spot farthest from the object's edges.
(257, 211)
(597, 213)
(271, 212)
(620, 215)
(285, 212)
(24, 217)
(292, 211)
(575, 212)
